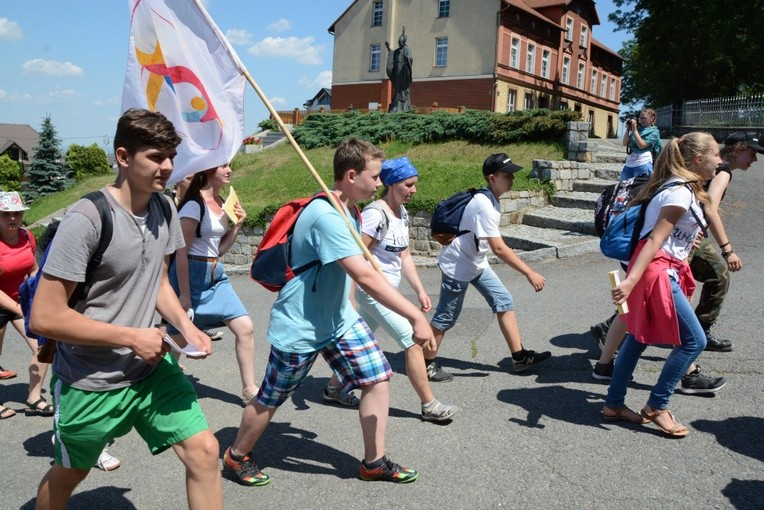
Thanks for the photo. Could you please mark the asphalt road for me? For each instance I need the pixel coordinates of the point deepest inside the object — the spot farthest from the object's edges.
(534, 440)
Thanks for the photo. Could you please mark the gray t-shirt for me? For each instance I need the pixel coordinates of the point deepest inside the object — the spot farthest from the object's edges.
(123, 291)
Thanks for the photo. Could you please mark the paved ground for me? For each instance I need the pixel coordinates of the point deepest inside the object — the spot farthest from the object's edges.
(522, 441)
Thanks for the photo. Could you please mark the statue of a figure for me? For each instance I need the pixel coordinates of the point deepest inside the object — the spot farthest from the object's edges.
(399, 64)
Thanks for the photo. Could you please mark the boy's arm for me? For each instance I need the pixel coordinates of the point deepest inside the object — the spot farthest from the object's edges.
(715, 225)
(170, 309)
(377, 286)
(408, 268)
(51, 317)
(509, 257)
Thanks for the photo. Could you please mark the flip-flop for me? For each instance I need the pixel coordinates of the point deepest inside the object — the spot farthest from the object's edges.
(34, 410)
(7, 374)
(6, 412)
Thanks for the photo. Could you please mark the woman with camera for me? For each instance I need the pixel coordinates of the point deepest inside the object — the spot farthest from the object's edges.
(643, 143)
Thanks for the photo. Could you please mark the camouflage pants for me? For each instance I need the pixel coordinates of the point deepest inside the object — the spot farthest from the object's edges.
(709, 268)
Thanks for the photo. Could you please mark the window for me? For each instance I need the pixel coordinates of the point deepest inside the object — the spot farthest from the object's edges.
(530, 60)
(564, 105)
(441, 51)
(612, 89)
(569, 29)
(565, 70)
(581, 70)
(376, 18)
(545, 63)
(511, 100)
(593, 84)
(583, 41)
(375, 57)
(514, 53)
(528, 105)
(444, 8)
(603, 86)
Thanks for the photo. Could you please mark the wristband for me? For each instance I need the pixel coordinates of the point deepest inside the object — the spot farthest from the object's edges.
(726, 254)
(722, 246)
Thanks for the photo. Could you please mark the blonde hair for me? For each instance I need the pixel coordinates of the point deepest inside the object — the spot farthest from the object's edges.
(652, 114)
(676, 160)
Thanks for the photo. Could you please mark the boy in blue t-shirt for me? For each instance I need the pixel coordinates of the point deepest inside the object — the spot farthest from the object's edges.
(312, 315)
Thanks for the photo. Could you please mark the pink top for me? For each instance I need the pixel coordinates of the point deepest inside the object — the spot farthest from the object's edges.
(16, 262)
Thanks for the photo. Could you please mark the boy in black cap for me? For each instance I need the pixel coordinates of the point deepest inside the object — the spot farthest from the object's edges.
(465, 262)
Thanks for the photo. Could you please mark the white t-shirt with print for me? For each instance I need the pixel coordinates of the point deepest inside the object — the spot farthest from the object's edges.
(679, 243)
(462, 260)
(387, 251)
(212, 229)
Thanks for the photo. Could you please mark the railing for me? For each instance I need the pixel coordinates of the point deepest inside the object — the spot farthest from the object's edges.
(297, 116)
(735, 111)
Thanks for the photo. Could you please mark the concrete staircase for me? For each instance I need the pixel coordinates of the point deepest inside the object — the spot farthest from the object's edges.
(565, 228)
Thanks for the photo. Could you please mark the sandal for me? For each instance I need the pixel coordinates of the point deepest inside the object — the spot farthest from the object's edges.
(34, 408)
(678, 430)
(613, 414)
(7, 374)
(6, 412)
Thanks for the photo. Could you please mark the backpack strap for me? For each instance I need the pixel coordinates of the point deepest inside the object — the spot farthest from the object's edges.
(202, 209)
(384, 225)
(164, 204)
(488, 193)
(107, 230)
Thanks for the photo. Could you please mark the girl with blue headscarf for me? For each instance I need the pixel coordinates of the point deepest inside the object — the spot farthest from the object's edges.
(386, 233)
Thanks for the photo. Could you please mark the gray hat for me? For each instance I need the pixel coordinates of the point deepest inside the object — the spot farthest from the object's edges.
(753, 141)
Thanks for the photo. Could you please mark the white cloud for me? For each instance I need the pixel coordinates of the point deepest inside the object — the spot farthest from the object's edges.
(238, 36)
(10, 30)
(278, 101)
(322, 80)
(2, 93)
(51, 68)
(281, 25)
(300, 49)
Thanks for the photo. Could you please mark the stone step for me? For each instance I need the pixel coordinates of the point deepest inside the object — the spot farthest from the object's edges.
(592, 185)
(538, 243)
(610, 171)
(574, 220)
(575, 199)
(272, 138)
(611, 157)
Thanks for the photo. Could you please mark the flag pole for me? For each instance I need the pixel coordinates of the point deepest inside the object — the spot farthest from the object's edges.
(332, 198)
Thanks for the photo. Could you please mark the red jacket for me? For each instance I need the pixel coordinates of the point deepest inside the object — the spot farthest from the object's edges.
(652, 315)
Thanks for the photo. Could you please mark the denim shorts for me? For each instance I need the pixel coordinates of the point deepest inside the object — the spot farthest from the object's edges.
(632, 171)
(452, 297)
(355, 357)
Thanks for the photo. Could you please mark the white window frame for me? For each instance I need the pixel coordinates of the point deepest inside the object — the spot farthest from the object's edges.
(565, 69)
(441, 51)
(603, 86)
(511, 100)
(530, 59)
(375, 57)
(593, 82)
(377, 12)
(546, 55)
(514, 53)
(444, 6)
(569, 29)
(581, 75)
(584, 37)
(528, 101)
(611, 96)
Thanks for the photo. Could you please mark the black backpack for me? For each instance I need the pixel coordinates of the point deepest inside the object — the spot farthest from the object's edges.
(444, 225)
(614, 199)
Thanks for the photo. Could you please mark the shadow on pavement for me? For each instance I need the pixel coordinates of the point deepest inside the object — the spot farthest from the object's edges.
(557, 402)
(40, 445)
(102, 498)
(741, 434)
(287, 448)
(745, 494)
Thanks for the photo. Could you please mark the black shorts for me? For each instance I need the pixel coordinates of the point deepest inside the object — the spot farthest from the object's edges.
(6, 316)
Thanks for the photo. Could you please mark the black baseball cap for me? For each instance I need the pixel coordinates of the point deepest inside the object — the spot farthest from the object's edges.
(499, 163)
(753, 141)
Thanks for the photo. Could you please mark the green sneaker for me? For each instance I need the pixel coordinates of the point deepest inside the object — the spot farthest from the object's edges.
(386, 471)
(246, 471)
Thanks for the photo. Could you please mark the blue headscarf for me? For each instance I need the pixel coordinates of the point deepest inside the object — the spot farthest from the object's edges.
(396, 170)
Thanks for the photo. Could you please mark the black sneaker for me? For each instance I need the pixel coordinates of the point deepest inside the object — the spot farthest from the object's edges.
(437, 374)
(717, 344)
(531, 358)
(603, 371)
(387, 471)
(696, 383)
(245, 470)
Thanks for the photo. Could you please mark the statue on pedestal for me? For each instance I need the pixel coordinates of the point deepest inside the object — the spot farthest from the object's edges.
(399, 64)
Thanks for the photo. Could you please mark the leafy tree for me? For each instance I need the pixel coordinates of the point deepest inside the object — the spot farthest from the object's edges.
(47, 174)
(10, 173)
(686, 49)
(87, 161)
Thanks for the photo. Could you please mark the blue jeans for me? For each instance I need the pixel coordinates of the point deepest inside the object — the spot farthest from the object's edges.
(632, 171)
(693, 342)
(452, 297)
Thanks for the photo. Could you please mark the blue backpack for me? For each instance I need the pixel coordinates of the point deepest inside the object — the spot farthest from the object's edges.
(28, 288)
(444, 225)
(622, 233)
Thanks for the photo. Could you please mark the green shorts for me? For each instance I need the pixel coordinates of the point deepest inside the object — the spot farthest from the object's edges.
(162, 408)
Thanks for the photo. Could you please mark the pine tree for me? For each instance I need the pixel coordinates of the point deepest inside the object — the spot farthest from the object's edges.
(47, 174)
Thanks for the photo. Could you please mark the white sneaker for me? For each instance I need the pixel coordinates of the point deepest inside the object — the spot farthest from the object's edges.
(107, 461)
(213, 334)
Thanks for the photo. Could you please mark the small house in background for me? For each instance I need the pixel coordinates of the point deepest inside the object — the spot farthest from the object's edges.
(18, 142)
(322, 99)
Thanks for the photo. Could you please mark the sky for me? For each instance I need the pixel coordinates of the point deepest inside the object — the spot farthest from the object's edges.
(67, 58)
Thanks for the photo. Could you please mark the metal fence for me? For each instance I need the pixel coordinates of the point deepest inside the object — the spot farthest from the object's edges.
(735, 111)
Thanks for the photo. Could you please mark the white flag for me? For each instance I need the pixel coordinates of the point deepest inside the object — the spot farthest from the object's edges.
(180, 64)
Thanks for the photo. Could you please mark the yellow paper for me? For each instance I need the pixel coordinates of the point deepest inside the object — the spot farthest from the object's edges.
(229, 204)
(615, 280)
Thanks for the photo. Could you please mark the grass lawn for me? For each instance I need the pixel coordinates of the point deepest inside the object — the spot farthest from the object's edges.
(266, 179)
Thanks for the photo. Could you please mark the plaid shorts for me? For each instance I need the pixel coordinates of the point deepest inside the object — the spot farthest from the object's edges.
(355, 357)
